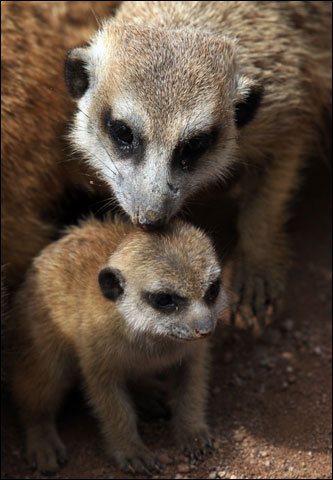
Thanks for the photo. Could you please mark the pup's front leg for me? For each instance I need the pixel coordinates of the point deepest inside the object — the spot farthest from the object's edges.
(118, 422)
(189, 402)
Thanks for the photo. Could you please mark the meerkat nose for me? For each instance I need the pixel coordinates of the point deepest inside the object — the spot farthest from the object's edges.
(199, 333)
(150, 220)
(203, 327)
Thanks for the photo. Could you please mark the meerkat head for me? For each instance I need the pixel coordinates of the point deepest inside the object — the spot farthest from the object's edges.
(158, 113)
(166, 284)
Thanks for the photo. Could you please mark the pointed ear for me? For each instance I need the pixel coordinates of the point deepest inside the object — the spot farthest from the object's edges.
(111, 282)
(249, 98)
(76, 72)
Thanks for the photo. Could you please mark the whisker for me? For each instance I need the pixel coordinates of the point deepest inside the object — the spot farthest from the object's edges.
(102, 143)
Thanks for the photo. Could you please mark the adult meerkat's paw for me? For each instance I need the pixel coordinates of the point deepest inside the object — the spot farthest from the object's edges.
(256, 291)
(196, 443)
(137, 459)
(45, 451)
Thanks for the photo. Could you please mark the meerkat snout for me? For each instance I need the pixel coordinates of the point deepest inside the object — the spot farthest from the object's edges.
(150, 220)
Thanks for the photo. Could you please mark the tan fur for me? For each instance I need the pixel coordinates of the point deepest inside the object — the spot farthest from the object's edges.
(65, 326)
(171, 64)
(34, 108)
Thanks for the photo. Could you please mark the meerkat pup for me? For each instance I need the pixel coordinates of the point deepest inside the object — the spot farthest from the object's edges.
(113, 303)
(174, 95)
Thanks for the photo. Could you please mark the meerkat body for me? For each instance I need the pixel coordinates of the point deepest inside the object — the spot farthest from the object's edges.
(113, 303)
(35, 171)
(173, 95)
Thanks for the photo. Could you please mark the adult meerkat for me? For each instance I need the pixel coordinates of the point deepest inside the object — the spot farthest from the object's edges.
(115, 303)
(174, 95)
(34, 109)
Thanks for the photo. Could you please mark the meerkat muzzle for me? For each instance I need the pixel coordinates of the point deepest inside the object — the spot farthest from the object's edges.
(149, 221)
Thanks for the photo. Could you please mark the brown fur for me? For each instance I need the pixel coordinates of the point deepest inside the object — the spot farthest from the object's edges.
(34, 110)
(66, 326)
(166, 55)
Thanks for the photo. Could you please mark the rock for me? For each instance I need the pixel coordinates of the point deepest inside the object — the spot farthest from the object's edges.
(263, 454)
(221, 473)
(165, 459)
(183, 468)
(317, 351)
(212, 475)
(287, 355)
(239, 435)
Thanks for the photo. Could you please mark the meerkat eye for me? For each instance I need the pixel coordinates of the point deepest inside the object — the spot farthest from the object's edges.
(162, 301)
(165, 302)
(213, 291)
(187, 153)
(121, 133)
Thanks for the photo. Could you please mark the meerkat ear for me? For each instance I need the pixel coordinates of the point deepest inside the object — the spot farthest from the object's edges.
(76, 72)
(249, 99)
(111, 283)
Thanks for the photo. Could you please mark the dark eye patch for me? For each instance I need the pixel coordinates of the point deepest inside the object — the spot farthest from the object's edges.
(188, 153)
(125, 138)
(121, 134)
(165, 302)
(213, 291)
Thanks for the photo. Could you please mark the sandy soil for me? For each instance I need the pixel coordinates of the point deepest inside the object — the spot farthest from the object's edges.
(270, 398)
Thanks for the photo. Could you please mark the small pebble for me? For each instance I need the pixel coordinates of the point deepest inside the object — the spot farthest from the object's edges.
(286, 355)
(221, 473)
(164, 458)
(212, 475)
(267, 463)
(263, 453)
(239, 436)
(183, 468)
(317, 351)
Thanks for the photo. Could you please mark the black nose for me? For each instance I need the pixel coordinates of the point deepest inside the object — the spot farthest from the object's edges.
(150, 220)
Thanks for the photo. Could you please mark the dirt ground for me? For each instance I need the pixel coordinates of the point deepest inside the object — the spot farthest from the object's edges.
(270, 399)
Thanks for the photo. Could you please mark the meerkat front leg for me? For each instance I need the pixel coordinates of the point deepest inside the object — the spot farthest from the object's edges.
(188, 405)
(262, 256)
(113, 407)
